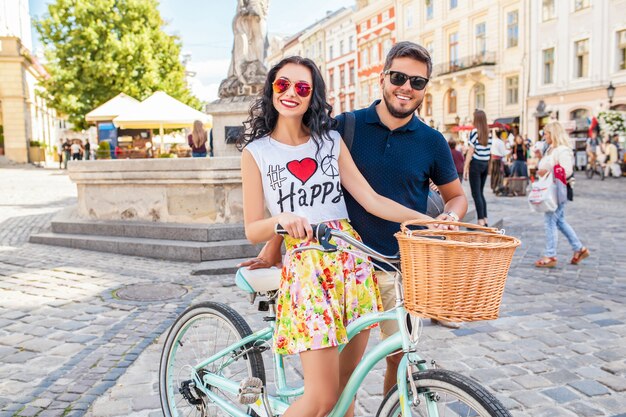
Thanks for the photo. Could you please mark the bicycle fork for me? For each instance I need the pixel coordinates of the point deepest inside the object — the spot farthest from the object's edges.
(407, 387)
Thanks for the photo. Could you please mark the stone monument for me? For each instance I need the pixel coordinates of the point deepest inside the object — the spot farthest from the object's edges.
(246, 75)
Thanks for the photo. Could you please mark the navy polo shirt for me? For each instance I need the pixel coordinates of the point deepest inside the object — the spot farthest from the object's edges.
(397, 164)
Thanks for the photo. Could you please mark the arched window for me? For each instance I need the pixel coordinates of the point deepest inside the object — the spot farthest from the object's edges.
(451, 101)
(479, 96)
(428, 105)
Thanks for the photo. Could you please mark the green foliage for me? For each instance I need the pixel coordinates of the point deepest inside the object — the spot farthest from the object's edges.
(98, 48)
(104, 150)
(1, 136)
(36, 144)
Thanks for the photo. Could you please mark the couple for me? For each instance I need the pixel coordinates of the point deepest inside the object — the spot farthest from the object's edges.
(294, 163)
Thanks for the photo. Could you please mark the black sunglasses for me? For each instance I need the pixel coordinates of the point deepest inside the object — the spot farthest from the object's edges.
(398, 78)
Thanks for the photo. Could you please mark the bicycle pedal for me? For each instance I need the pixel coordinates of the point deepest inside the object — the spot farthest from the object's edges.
(250, 389)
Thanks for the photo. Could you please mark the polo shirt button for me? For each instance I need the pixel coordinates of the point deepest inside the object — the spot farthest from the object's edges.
(388, 145)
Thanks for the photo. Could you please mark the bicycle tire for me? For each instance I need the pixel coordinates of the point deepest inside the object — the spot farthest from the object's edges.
(465, 396)
(174, 366)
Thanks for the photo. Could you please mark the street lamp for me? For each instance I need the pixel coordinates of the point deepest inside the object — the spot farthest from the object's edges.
(610, 91)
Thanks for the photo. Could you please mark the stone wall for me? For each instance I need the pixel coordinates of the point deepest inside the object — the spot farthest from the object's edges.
(178, 190)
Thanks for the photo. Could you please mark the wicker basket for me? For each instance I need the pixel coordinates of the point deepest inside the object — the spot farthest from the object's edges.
(454, 275)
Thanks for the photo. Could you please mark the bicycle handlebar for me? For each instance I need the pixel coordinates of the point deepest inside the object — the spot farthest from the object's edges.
(323, 233)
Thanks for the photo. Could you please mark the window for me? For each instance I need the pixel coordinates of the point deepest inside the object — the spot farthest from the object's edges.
(351, 102)
(548, 66)
(429, 9)
(581, 4)
(373, 21)
(341, 51)
(320, 48)
(428, 105)
(453, 49)
(331, 81)
(453, 4)
(352, 75)
(342, 77)
(481, 39)
(512, 29)
(582, 58)
(330, 52)
(430, 48)
(512, 90)
(386, 15)
(621, 49)
(365, 98)
(363, 26)
(548, 10)
(387, 46)
(479, 96)
(365, 57)
(351, 43)
(409, 17)
(451, 101)
(374, 54)
(375, 91)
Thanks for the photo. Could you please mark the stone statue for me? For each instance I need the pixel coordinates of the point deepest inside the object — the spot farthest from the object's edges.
(247, 72)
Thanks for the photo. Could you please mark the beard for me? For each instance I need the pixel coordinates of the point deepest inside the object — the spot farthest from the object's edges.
(399, 114)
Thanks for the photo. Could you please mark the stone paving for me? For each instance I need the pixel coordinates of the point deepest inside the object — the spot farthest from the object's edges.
(69, 346)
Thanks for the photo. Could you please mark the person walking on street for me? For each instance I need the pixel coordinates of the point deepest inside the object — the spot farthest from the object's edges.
(86, 150)
(477, 163)
(457, 157)
(519, 154)
(498, 154)
(387, 137)
(197, 140)
(76, 150)
(559, 153)
(67, 149)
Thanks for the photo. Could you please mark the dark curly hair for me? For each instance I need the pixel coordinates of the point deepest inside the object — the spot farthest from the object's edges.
(263, 116)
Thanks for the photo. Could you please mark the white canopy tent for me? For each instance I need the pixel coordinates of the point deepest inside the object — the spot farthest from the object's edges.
(161, 111)
(112, 108)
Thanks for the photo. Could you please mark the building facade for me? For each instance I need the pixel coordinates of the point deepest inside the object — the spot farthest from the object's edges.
(340, 74)
(375, 23)
(478, 52)
(24, 116)
(577, 49)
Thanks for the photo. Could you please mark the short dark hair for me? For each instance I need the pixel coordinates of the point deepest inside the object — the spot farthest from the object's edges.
(452, 143)
(406, 49)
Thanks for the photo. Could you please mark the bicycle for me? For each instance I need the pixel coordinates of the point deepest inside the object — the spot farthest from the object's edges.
(595, 168)
(212, 362)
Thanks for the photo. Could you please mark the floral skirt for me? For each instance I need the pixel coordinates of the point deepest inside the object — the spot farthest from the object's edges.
(320, 294)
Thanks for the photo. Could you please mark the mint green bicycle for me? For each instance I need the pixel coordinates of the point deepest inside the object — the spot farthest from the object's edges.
(212, 363)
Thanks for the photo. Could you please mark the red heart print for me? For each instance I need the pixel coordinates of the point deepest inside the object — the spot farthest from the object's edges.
(303, 169)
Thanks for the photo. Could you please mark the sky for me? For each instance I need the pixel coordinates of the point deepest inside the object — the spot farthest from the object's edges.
(204, 27)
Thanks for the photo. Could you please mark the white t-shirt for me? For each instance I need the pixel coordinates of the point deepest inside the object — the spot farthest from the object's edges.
(498, 148)
(75, 148)
(301, 180)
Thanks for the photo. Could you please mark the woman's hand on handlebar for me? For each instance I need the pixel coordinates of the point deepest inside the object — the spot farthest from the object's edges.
(296, 226)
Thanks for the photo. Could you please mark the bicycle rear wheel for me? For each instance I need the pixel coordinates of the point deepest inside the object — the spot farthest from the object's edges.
(199, 332)
(452, 395)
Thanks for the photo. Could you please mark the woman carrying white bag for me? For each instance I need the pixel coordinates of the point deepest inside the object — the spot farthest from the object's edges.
(558, 153)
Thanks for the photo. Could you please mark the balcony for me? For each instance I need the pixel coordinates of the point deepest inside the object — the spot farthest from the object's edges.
(465, 63)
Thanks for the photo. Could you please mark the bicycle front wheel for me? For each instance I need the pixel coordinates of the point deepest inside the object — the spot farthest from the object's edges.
(199, 332)
(444, 393)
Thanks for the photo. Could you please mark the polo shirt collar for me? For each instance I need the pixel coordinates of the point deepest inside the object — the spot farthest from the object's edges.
(371, 116)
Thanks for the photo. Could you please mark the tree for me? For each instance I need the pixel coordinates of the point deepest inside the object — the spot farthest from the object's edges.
(97, 49)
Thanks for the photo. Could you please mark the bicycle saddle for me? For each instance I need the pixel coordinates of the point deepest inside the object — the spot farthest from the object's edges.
(258, 280)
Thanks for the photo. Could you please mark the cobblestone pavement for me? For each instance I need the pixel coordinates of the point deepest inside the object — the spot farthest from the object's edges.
(70, 347)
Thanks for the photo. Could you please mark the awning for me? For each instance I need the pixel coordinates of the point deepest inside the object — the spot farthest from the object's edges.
(108, 111)
(507, 120)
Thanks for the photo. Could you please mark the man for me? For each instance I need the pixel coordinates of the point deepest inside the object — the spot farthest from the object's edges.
(398, 155)
(67, 147)
(592, 148)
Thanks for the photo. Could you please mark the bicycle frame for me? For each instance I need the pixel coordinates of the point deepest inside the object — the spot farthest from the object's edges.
(280, 402)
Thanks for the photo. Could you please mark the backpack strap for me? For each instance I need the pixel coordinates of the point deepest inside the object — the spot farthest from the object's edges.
(346, 122)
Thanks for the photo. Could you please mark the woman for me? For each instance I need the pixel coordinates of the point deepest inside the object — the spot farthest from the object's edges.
(197, 140)
(299, 167)
(477, 163)
(519, 151)
(560, 153)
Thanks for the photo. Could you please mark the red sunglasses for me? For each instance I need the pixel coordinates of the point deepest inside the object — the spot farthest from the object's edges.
(302, 88)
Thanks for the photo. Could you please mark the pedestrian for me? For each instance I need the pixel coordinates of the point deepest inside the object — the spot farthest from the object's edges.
(76, 150)
(519, 154)
(592, 148)
(560, 153)
(67, 149)
(477, 163)
(612, 160)
(60, 152)
(87, 150)
(496, 168)
(457, 157)
(197, 140)
(398, 155)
